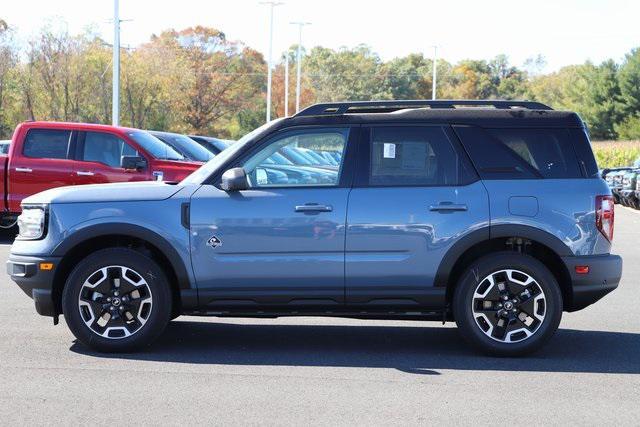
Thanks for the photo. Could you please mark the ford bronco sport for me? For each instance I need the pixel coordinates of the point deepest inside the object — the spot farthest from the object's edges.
(488, 213)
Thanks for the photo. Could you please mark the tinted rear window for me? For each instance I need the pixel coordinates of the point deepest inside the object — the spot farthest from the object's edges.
(47, 143)
(521, 153)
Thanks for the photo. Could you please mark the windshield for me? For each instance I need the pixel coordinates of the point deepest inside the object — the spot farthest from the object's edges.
(154, 146)
(198, 176)
(187, 146)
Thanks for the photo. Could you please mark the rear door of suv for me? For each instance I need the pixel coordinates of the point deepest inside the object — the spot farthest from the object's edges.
(415, 195)
(41, 162)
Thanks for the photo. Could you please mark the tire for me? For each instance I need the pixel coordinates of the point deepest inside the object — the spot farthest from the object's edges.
(538, 305)
(117, 300)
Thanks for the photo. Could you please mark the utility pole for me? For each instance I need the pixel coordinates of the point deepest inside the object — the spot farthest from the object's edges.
(299, 61)
(272, 4)
(115, 97)
(435, 72)
(286, 84)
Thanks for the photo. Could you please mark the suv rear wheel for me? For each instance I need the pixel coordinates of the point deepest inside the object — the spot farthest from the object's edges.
(117, 300)
(507, 304)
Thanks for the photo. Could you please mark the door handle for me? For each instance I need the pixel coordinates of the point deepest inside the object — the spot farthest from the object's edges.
(27, 170)
(84, 173)
(313, 208)
(448, 207)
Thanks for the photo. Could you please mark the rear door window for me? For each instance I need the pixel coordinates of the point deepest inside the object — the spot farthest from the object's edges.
(47, 143)
(414, 156)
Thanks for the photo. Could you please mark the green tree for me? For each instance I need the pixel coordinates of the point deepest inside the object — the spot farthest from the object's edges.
(409, 77)
(629, 78)
(601, 103)
(346, 74)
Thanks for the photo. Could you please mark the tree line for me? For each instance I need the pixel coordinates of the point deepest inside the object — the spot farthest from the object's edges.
(198, 81)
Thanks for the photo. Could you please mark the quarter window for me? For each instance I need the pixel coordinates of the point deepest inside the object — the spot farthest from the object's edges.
(299, 159)
(47, 143)
(547, 151)
(105, 148)
(521, 153)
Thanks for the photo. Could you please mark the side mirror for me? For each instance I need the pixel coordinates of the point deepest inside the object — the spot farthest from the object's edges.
(234, 180)
(133, 163)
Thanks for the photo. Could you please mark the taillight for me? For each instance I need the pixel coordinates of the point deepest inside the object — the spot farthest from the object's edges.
(605, 216)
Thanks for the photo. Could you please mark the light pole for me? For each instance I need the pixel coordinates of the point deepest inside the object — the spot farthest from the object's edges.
(299, 61)
(286, 84)
(115, 97)
(435, 72)
(272, 4)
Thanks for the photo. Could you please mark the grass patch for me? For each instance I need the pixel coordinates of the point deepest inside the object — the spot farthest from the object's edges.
(611, 154)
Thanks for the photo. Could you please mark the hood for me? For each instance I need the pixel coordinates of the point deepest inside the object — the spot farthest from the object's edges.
(116, 192)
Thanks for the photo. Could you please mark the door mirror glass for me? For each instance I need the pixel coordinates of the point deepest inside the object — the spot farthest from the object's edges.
(133, 163)
(234, 180)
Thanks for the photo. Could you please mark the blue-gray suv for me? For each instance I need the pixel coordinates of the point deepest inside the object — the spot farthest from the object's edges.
(487, 213)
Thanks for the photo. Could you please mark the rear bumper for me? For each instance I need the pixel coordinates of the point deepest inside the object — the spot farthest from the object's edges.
(603, 277)
(38, 284)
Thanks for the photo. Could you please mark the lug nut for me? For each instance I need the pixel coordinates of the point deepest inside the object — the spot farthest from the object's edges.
(109, 299)
(116, 293)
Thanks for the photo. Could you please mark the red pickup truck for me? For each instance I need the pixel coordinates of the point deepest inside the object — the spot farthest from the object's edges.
(45, 155)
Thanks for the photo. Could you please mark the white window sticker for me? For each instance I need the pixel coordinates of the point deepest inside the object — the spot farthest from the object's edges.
(261, 176)
(389, 151)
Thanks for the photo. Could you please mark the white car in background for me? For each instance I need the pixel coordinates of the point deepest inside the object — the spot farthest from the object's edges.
(4, 146)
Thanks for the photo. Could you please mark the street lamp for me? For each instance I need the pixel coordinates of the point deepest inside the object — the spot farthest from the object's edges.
(434, 67)
(272, 4)
(298, 59)
(286, 83)
(115, 96)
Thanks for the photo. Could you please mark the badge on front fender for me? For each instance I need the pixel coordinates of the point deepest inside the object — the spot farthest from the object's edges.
(214, 242)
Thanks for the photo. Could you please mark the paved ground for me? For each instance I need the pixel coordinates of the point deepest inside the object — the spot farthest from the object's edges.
(318, 371)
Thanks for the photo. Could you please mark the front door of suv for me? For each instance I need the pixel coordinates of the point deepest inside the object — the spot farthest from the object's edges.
(280, 242)
(99, 159)
(415, 196)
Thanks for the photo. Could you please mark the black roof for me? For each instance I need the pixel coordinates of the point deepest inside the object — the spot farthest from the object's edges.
(489, 113)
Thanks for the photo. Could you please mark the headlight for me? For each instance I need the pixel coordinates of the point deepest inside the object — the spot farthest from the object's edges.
(31, 222)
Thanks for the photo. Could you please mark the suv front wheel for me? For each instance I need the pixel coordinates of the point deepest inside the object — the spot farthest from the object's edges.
(117, 300)
(507, 304)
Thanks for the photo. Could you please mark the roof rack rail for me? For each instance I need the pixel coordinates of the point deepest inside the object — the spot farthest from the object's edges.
(390, 106)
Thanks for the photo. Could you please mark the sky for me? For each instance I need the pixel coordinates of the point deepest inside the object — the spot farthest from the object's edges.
(564, 32)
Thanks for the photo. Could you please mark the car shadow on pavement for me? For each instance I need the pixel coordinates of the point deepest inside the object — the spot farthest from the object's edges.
(416, 350)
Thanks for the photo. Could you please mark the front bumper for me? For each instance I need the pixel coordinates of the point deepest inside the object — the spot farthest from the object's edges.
(35, 282)
(603, 277)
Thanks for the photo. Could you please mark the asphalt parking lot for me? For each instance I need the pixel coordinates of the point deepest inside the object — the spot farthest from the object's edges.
(312, 371)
